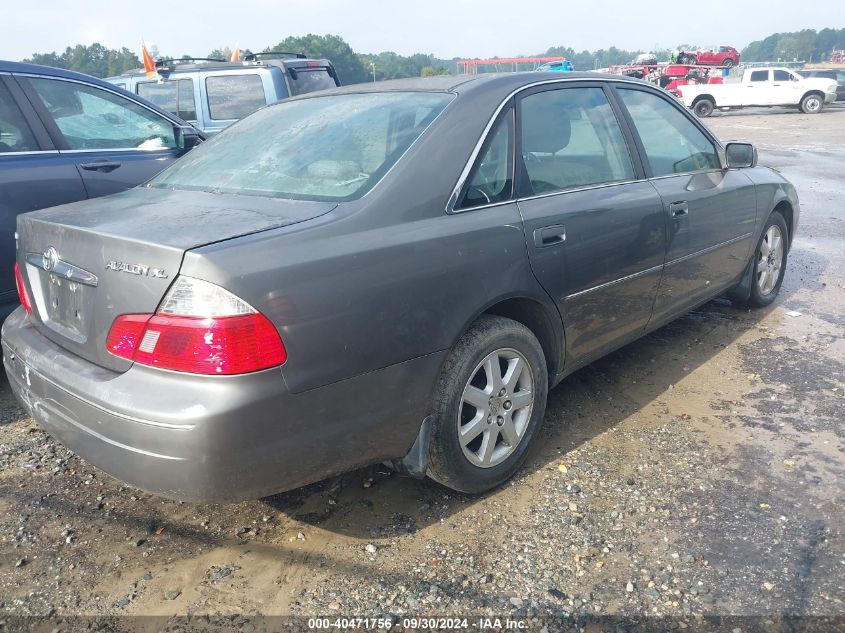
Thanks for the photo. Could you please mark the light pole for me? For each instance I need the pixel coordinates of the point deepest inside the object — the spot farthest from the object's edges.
(373, 64)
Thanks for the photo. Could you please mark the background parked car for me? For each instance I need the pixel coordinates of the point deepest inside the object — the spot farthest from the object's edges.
(65, 136)
(837, 74)
(213, 94)
(716, 56)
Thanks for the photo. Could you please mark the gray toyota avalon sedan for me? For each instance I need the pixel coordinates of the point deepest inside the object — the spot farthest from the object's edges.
(390, 272)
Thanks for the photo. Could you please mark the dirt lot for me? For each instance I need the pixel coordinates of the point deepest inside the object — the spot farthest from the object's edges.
(697, 472)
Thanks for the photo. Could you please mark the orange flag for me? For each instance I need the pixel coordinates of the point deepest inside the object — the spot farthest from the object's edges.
(236, 55)
(149, 64)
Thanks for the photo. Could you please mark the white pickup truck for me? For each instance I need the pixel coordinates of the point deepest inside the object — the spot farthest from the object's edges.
(761, 87)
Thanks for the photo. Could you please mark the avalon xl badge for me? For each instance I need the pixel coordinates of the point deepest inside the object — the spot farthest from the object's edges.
(136, 269)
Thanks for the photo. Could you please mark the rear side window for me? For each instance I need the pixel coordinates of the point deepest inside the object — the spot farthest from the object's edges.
(175, 96)
(15, 135)
(309, 79)
(92, 118)
(491, 179)
(673, 143)
(760, 75)
(571, 138)
(234, 96)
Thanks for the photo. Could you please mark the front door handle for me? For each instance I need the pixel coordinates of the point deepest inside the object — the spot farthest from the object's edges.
(678, 209)
(550, 235)
(100, 165)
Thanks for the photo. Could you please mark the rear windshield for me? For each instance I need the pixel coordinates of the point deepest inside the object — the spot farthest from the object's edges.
(309, 80)
(323, 148)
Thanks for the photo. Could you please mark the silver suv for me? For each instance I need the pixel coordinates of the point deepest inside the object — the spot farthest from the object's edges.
(212, 94)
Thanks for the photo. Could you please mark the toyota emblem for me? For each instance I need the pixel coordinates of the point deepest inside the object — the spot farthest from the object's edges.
(50, 258)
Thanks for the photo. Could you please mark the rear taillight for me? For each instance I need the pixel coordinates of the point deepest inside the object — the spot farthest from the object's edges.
(23, 295)
(199, 328)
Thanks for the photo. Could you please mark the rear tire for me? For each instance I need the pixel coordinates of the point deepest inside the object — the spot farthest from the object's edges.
(489, 405)
(812, 104)
(703, 107)
(770, 259)
(728, 63)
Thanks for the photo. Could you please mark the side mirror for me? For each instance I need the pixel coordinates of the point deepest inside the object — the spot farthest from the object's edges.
(187, 137)
(741, 155)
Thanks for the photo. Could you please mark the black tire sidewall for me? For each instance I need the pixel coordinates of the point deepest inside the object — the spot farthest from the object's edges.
(447, 463)
(804, 107)
(757, 298)
(708, 106)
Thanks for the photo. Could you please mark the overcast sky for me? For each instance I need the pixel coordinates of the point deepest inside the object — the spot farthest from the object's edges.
(446, 28)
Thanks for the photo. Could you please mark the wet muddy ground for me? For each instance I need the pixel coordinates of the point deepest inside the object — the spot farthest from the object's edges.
(697, 472)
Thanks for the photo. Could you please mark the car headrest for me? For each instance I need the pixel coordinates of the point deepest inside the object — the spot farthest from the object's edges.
(545, 125)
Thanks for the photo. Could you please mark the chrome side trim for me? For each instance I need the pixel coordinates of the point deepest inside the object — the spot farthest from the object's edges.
(63, 269)
(600, 185)
(456, 191)
(54, 152)
(615, 79)
(647, 271)
(709, 249)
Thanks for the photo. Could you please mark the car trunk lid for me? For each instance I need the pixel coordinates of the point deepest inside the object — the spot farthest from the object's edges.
(88, 262)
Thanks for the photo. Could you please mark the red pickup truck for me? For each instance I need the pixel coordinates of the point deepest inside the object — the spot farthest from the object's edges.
(716, 56)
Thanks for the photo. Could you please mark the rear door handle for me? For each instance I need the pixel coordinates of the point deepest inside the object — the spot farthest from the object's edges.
(678, 209)
(100, 165)
(550, 235)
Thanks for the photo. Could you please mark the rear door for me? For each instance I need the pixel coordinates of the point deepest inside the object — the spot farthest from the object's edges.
(115, 143)
(710, 211)
(757, 90)
(595, 230)
(33, 175)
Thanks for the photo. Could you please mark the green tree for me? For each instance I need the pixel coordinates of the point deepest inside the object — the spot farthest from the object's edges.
(95, 60)
(349, 68)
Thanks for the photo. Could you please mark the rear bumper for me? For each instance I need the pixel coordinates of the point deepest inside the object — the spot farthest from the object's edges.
(214, 438)
(829, 97)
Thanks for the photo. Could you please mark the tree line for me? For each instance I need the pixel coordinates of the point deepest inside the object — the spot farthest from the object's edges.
(352, 67)
(807, 46)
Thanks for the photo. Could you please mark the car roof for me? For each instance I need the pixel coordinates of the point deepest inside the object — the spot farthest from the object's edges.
(178, 66)
(22, 68)
(494, 82)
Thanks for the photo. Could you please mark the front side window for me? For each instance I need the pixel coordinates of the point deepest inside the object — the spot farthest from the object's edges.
(234, 96)
(15, 135)
(673, 144)
(571, 138)
(491, 178)
(335, 147)
(782, 75)
(92, 118)
(760, 75)
(175, 96)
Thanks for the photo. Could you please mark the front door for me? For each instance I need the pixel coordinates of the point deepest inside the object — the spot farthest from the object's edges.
(115, 143)
(595, 231)
(710, 211)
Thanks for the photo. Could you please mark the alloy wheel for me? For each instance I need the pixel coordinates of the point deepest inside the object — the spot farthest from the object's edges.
(495, 407)
(769, 260)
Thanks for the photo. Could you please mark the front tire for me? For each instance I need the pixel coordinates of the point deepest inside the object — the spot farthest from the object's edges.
(703, 108)
(728, 63)
(489, 405)
(812, 104)
(769, 262)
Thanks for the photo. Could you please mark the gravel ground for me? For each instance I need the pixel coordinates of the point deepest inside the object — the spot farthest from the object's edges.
(690, 481)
